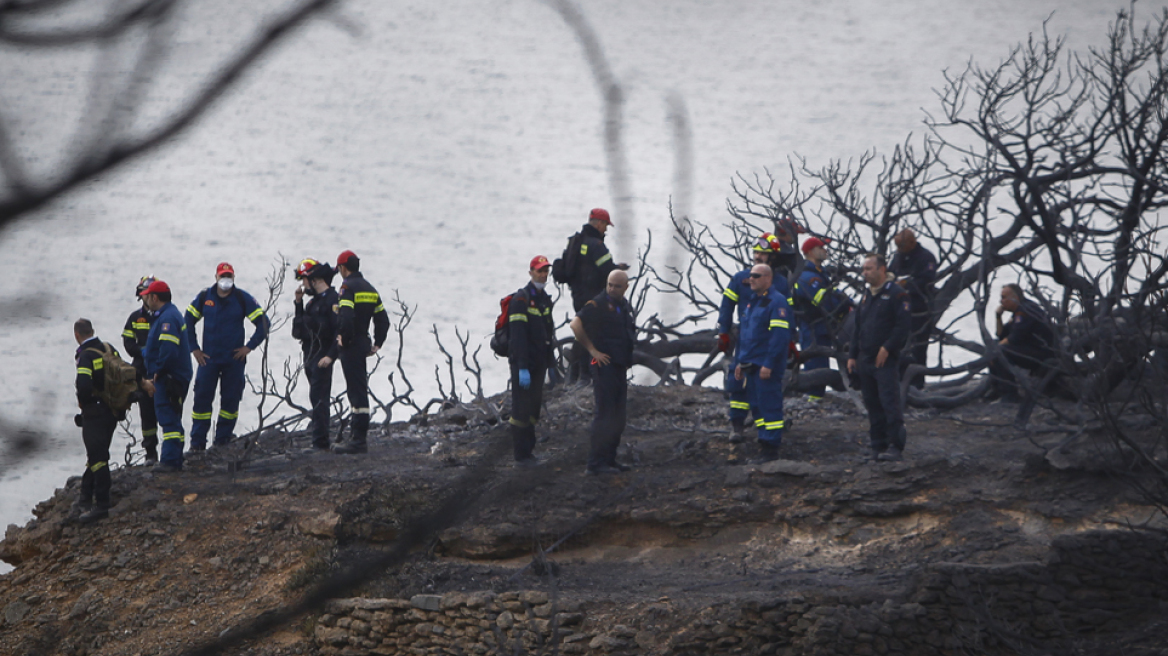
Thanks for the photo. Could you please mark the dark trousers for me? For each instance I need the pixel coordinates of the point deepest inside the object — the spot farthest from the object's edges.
(610, 389)
(919, 346)
(810, 336)
(320, 390)
(229, 375)
(1003, 380)
(168, 404)
(149, 426)
(97, 431)
(578, 367)
(739, 398)
(357, 388)
(880, 387)
(525, 409)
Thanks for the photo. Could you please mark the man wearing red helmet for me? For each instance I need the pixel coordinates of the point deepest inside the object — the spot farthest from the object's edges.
(532, 350)
(167, 355)
(133, 340)
(315, 325)
(358, 305)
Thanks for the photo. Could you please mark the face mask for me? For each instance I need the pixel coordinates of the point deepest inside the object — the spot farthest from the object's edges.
(225, 284)
(539, 285)
(310, 290)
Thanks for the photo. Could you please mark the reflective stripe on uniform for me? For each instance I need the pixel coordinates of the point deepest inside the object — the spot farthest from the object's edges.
(379, 308)
(758, 423)
(360, 411)
(223, 414)
(347, 303)
(517, 317)
(172, 436)
(169, 338)
(773, 425)
(779, 323)
(533, 310)
(366, 297)
(606, 258)
(149, 432)
(819, 296)
(85, 371)
(255, 315)
(730, 294)
(194, 313)
(127, 333)
(97, 364)
(201, 416)
(97, 466)
(739, 405)
(141, 325)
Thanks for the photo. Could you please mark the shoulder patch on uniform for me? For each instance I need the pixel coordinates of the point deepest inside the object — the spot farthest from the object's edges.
(166, 326)
(209, 302)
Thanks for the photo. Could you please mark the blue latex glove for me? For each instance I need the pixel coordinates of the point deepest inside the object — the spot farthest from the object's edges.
(524, 378)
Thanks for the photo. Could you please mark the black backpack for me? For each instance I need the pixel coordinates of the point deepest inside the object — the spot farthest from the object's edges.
(564, 269)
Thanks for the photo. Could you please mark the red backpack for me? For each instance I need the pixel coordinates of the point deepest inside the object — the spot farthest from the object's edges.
(501, 341)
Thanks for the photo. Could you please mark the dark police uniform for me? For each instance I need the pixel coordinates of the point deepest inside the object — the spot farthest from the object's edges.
(593, 263)
(1030, 343)
(168, 362)
(882, 320)
(612, 328)
(532, 347)
(918, 270)
(98, 423)
(817, 302)
(133, 340)
(315, 325)
(763, 342)
(737, 296)
(222, 335)
(359, 304)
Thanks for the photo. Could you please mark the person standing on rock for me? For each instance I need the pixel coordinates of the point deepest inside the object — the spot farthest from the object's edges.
(607, 329)
(133, 340)
(737, 296)
(587, 263)
(761, 360)
(358, 305)
(532, 341)
(223, 355)
(315, 325)
(817, 302)
(167, 355)
(97, 421)
(915, 269)
(882, 328)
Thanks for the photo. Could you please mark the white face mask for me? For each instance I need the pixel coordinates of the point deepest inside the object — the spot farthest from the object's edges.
(225, 284)
(539, 285)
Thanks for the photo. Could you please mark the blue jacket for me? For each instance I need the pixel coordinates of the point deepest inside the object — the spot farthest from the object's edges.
(167, 349)
(816, 297)
(739, 295)
(223, 330)
(766, 332)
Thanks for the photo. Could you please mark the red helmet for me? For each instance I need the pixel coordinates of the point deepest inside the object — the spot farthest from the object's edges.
(766, 243)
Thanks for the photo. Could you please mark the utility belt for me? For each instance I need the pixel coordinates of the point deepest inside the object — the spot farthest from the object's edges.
(748, 368)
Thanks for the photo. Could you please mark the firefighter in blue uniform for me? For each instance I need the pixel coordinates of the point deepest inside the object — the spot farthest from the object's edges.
(97, 421)
(915, 269)
(315, 325)
(882, 329)
(167, 355)
(532, 340)
(737, 296)
(1027, 341)
(133, 340)
(762, 358)
(358, 305)
(223, 354)
(817, 302)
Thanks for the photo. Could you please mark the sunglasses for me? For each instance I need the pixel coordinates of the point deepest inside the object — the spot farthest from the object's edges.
(756, 275)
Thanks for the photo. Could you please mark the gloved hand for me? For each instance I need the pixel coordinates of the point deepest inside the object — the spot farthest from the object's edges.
(724, 342)
(524, 378)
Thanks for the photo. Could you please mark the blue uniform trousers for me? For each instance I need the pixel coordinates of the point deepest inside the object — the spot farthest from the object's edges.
(230, 375)
(880, 387)
(810, 336)
(739, 398)
(766, 404)
(168, 403)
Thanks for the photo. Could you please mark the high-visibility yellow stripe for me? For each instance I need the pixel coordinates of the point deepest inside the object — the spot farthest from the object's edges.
(758, 422)
(779, 323)
(97, 466)
(194, 313)
(583, 249)
(517, 317)
(791, 300)
(170, 338)
(360, 411)
(141, 325)
(201, 416)
(347, 303)
(127, 333)
(740, 405)
(97, 364)
(85, 371)
(533, 310)
(366, 297)
(606, 258)
(379, 308)
(255, 315)
(149, 432)
(730, 294)
(813, 398)
(773, 425)
(223, 414)
(172, 436)
(819, 296)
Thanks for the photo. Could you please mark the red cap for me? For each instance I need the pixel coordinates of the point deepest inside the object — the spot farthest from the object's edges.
(812, 242)
(155, 287)
(539, 262)
(345, 256)
(222, 269)
(600, 215)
